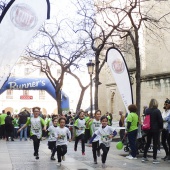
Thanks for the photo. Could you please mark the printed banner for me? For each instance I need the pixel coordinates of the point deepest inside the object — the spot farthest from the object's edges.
(20, 20)
(35, 84)
(119, 69)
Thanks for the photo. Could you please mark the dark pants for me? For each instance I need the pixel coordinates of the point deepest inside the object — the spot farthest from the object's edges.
(15, 132)
(105, 152)
(87, 135)
(95, 147)
(61, 151)
(80, 137)
(132, 142)
(155, 136)
(2, 131)
(36, 143)
(165, 139)
(122, 134)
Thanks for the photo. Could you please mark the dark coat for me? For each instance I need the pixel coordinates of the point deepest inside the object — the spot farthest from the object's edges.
(156, 121)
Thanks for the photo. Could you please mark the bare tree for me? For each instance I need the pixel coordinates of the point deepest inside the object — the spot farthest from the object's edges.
(57, 49)
(119, 22)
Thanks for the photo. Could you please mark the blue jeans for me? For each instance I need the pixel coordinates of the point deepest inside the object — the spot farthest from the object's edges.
(132, 142)
(25, 133)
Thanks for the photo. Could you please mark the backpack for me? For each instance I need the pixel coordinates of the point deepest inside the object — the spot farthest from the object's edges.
(146, 123)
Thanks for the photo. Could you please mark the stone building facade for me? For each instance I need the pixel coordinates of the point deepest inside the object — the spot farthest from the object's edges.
(155, 71)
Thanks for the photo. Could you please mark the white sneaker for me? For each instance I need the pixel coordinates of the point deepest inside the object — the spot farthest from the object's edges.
(59, 164)
(63, 158)
(158, 151)
(131, 157)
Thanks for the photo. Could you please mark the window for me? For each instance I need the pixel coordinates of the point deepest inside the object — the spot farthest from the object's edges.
(42, 94)
(25, 92)
(9, 94)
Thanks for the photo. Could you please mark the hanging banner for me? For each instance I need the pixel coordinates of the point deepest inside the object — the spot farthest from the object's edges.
(118, 67)
(19, 22)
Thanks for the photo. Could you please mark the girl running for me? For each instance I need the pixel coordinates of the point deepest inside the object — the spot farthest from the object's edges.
(80, 130)
(106, 134)
(94, 125)
(61, 144)
(52, 137)
(37, 124)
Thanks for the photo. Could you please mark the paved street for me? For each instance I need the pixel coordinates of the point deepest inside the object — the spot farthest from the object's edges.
(19, 156)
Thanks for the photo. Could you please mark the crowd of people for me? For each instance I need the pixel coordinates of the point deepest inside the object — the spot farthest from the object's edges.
(96, 131)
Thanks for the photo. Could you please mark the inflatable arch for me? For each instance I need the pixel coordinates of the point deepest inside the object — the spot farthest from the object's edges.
(35, 84)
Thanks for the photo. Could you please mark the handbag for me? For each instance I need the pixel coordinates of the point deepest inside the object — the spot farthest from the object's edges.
(146, 123)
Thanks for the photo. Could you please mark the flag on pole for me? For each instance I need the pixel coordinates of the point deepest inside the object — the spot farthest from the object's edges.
(118, 67)
(19, 22)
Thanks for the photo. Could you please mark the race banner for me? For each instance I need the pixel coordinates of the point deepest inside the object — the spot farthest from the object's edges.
(118, 67)
(19, 22)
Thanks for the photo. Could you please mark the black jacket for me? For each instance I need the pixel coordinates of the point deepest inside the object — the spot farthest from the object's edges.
(156, 120)
(23, 117)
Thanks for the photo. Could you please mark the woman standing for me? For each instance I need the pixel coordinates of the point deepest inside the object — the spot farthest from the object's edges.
(37, 124)
(132, 130)
(156, 124)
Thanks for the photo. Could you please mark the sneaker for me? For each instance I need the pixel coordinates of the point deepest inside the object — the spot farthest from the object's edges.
(75, 149)
(103, 165)
(144, 159)
(63, 158)
(52, 158)
(37, 156)
(98, 153)
(165, 158)
(155, 161)
(83, 153)
(131, 157)
(158, 151)
(59, 164)
(95, 161)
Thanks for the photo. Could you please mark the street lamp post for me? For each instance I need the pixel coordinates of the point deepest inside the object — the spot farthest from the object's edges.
(90, 66)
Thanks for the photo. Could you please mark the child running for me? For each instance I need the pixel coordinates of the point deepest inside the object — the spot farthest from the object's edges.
(61, 144)
(94, 125)
(106, 134)
(37, 124)
(52, 137)
(80, 130)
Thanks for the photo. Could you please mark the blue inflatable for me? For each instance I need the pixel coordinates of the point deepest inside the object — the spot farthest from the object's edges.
(35, 84)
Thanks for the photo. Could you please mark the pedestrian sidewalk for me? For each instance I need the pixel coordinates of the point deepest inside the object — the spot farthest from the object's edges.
(18, 155)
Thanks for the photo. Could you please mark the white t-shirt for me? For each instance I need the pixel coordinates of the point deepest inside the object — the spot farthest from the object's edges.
(61, 134)
(165, 114)
(52, 133)
(80, 123)
(36, 126)
(95, 126)
(104, 133)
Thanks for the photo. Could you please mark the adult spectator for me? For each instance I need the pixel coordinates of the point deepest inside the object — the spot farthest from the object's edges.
(9, 127)
(22, 120)
(122, 124)
(2, 124)
(132, 130)
(156, 124)
(165, 133)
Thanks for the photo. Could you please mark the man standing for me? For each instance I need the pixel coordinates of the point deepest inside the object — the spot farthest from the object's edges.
(22, 120)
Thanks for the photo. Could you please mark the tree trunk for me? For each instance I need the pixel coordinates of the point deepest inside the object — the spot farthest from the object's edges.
(58, 98)
(96, 81)
(138, 82)
(80, 100)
